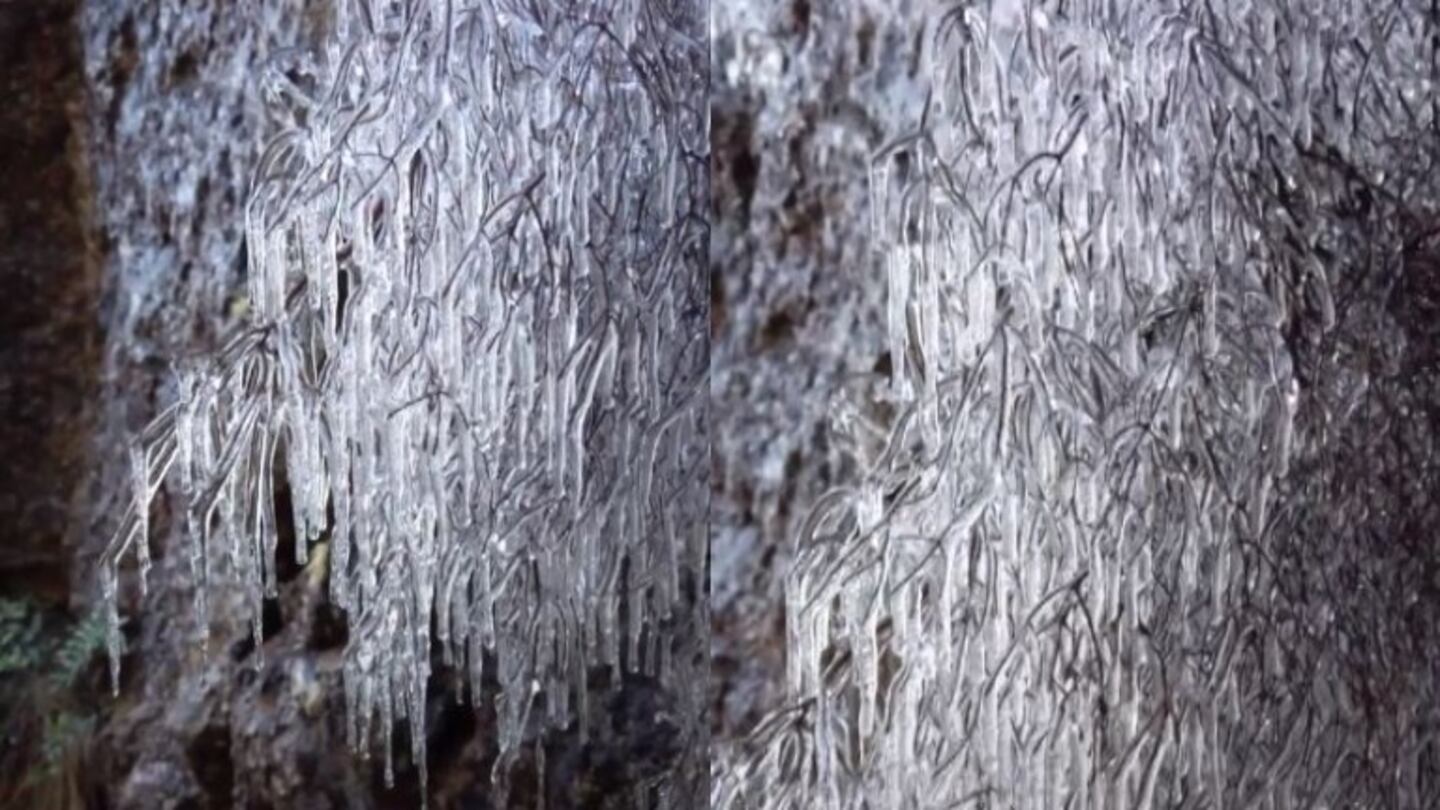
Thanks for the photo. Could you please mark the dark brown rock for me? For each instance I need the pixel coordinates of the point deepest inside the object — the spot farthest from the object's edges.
(49, 292)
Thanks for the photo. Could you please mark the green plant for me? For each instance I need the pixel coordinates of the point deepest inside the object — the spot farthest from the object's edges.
(47, 710)
(19, 634)
(81, 642)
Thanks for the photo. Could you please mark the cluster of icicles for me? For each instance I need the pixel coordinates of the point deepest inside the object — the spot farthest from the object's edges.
(1021, 601)
(470, 350)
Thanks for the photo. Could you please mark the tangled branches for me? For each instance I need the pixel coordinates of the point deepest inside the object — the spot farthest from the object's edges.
(475, 352)
(1139, 516)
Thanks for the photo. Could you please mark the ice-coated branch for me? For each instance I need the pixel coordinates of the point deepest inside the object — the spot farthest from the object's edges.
(472, 282)
(1072, 572)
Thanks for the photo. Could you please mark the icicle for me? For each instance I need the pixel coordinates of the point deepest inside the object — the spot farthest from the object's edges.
(140, 481)
(1285, 427)
(109, 594)
(1323, 296)
(898, 270)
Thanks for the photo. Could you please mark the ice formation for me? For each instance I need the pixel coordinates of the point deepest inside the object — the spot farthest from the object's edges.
(475, 351)
(1030, 596)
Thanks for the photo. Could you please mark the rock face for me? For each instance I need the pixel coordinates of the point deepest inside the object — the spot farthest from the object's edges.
(49, 338)
(130, 135)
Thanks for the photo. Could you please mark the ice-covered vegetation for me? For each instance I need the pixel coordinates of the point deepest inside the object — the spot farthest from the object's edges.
(474, 356)
(1139, 513)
